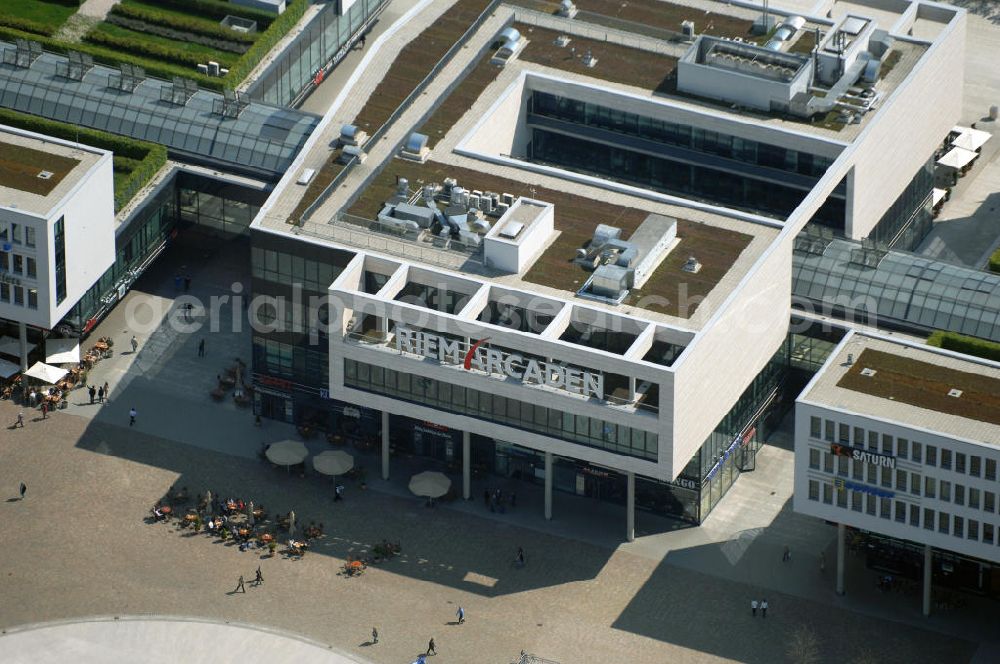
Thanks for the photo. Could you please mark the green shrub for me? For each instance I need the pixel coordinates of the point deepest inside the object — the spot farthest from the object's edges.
(961, 343)
(995, 261)
(145, 48)
(144, 159)
(163, 70)
(194, 26)
(27, 25)
(265, 41)
(219, 10)
(66, 3)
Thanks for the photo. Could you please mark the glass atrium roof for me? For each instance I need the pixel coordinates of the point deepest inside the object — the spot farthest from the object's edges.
(908, 289)
(261, 142)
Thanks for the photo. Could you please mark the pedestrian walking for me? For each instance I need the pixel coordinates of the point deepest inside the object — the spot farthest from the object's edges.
(763, 608)
(24, 488)
(753, 608)
(519, 558)
(178, 282)
(461, 615)
(45, 410)
(131, 418)
(135, 344)
(187, 310)
(430, 647)
(364, 40)
(240, 588)
(338, 493)
(20, 419)
(787, 555)
(260, 577)
(374, 635)
(100, 395)
(107, 390)
(93, 392)
(201, 348)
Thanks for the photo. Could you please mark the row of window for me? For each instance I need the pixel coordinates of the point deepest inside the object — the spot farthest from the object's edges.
(901, 512)
(681, 135)
(902, 448)
(18, 234)
(24, 266)
(589, 431)
(284, 268)
(904, 481)
(19, 295)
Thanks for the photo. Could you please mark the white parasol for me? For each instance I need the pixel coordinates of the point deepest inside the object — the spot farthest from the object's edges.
(430, 484)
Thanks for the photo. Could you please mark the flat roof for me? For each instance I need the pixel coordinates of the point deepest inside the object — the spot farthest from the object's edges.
(911, 386)
(26, 157)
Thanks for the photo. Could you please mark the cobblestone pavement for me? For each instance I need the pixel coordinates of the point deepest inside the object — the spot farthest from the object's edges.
(79, 545)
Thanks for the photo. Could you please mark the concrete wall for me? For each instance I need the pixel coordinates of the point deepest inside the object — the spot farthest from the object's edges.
(803, 442)
(908, 128)
(727, 355)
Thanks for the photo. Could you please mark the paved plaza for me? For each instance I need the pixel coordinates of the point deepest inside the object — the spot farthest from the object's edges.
(79, 547)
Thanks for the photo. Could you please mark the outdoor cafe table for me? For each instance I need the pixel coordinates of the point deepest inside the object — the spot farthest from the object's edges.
(166, 509)
(267, 537)
(190, 517)
(244, 531)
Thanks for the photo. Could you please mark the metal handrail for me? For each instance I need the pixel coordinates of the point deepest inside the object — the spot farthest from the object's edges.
(403, 107)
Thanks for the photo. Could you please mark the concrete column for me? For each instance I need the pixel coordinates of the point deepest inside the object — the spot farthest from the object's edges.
(385, 445)
(548, 485)
(630, 506)
(927, 579)
(22, 331)
(466, 463)
(841, 530)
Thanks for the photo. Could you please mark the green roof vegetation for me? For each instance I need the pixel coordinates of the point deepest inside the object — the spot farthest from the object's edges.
(20, 167)
(994, 262)
(961, 343)
(925, 385)
(716, 248)
(135, 162)
(36, 16)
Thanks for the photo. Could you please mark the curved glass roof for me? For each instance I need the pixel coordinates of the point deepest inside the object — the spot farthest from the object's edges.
(910, 290)
(261, 142)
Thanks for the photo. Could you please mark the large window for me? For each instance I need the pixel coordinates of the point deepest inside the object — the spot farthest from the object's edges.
(589, 431)
(59, 242)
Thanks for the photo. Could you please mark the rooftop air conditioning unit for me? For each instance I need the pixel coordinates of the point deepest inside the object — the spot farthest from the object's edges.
(687, 28)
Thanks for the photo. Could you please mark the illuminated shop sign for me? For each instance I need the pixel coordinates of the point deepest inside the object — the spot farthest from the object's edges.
(498, 363)
(859, 454)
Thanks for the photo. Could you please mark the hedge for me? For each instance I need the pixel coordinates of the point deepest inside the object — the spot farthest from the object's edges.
(192, 25)
(27, 25)
(105, 56)
(266, 40)
(66, 3)
(995, 261)
(961, 343)
(220, 10)
(148, 158)
(149, 49)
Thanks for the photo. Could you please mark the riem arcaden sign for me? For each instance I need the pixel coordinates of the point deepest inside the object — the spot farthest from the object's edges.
(498, 363)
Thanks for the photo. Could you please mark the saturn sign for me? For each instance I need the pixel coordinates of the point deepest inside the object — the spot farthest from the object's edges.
(495, 362)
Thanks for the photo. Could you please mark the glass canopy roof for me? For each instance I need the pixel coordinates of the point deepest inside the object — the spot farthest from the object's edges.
(261, 142)
(910, 290)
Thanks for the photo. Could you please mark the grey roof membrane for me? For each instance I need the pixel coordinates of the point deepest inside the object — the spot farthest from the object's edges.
(262, 141)
(911, 290)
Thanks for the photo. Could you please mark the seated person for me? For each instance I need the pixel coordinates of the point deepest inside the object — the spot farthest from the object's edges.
(157, 514)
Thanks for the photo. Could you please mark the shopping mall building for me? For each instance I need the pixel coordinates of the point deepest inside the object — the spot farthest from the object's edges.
(575, 277)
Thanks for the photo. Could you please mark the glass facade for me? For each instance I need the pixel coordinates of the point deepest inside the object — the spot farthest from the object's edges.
(226, 208)
(909, 219)
(676, 159)
(325, 39)
(580, 429)
(59, 243)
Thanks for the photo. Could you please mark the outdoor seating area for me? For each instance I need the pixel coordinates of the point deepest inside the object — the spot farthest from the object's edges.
(231, 380)
(47, 384)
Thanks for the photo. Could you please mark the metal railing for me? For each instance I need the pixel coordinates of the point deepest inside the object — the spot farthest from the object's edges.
(665, 44)
(402, 108)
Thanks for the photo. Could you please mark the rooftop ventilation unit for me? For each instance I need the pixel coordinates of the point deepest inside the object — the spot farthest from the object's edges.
(511, 230)
(868, 372)
(24, 54)
(687, 29)
(415, 148)
(692, 265)
(45, 175)
(351, 135)
(179, 92)
(954, 393)
(76, 66)
(567, 9)
(127, 78)
(231, 104)
(511, 43)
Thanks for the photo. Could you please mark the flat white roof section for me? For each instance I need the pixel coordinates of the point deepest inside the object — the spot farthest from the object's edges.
(910, 385)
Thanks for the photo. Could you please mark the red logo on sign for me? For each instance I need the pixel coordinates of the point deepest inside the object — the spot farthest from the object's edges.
(472, 352)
